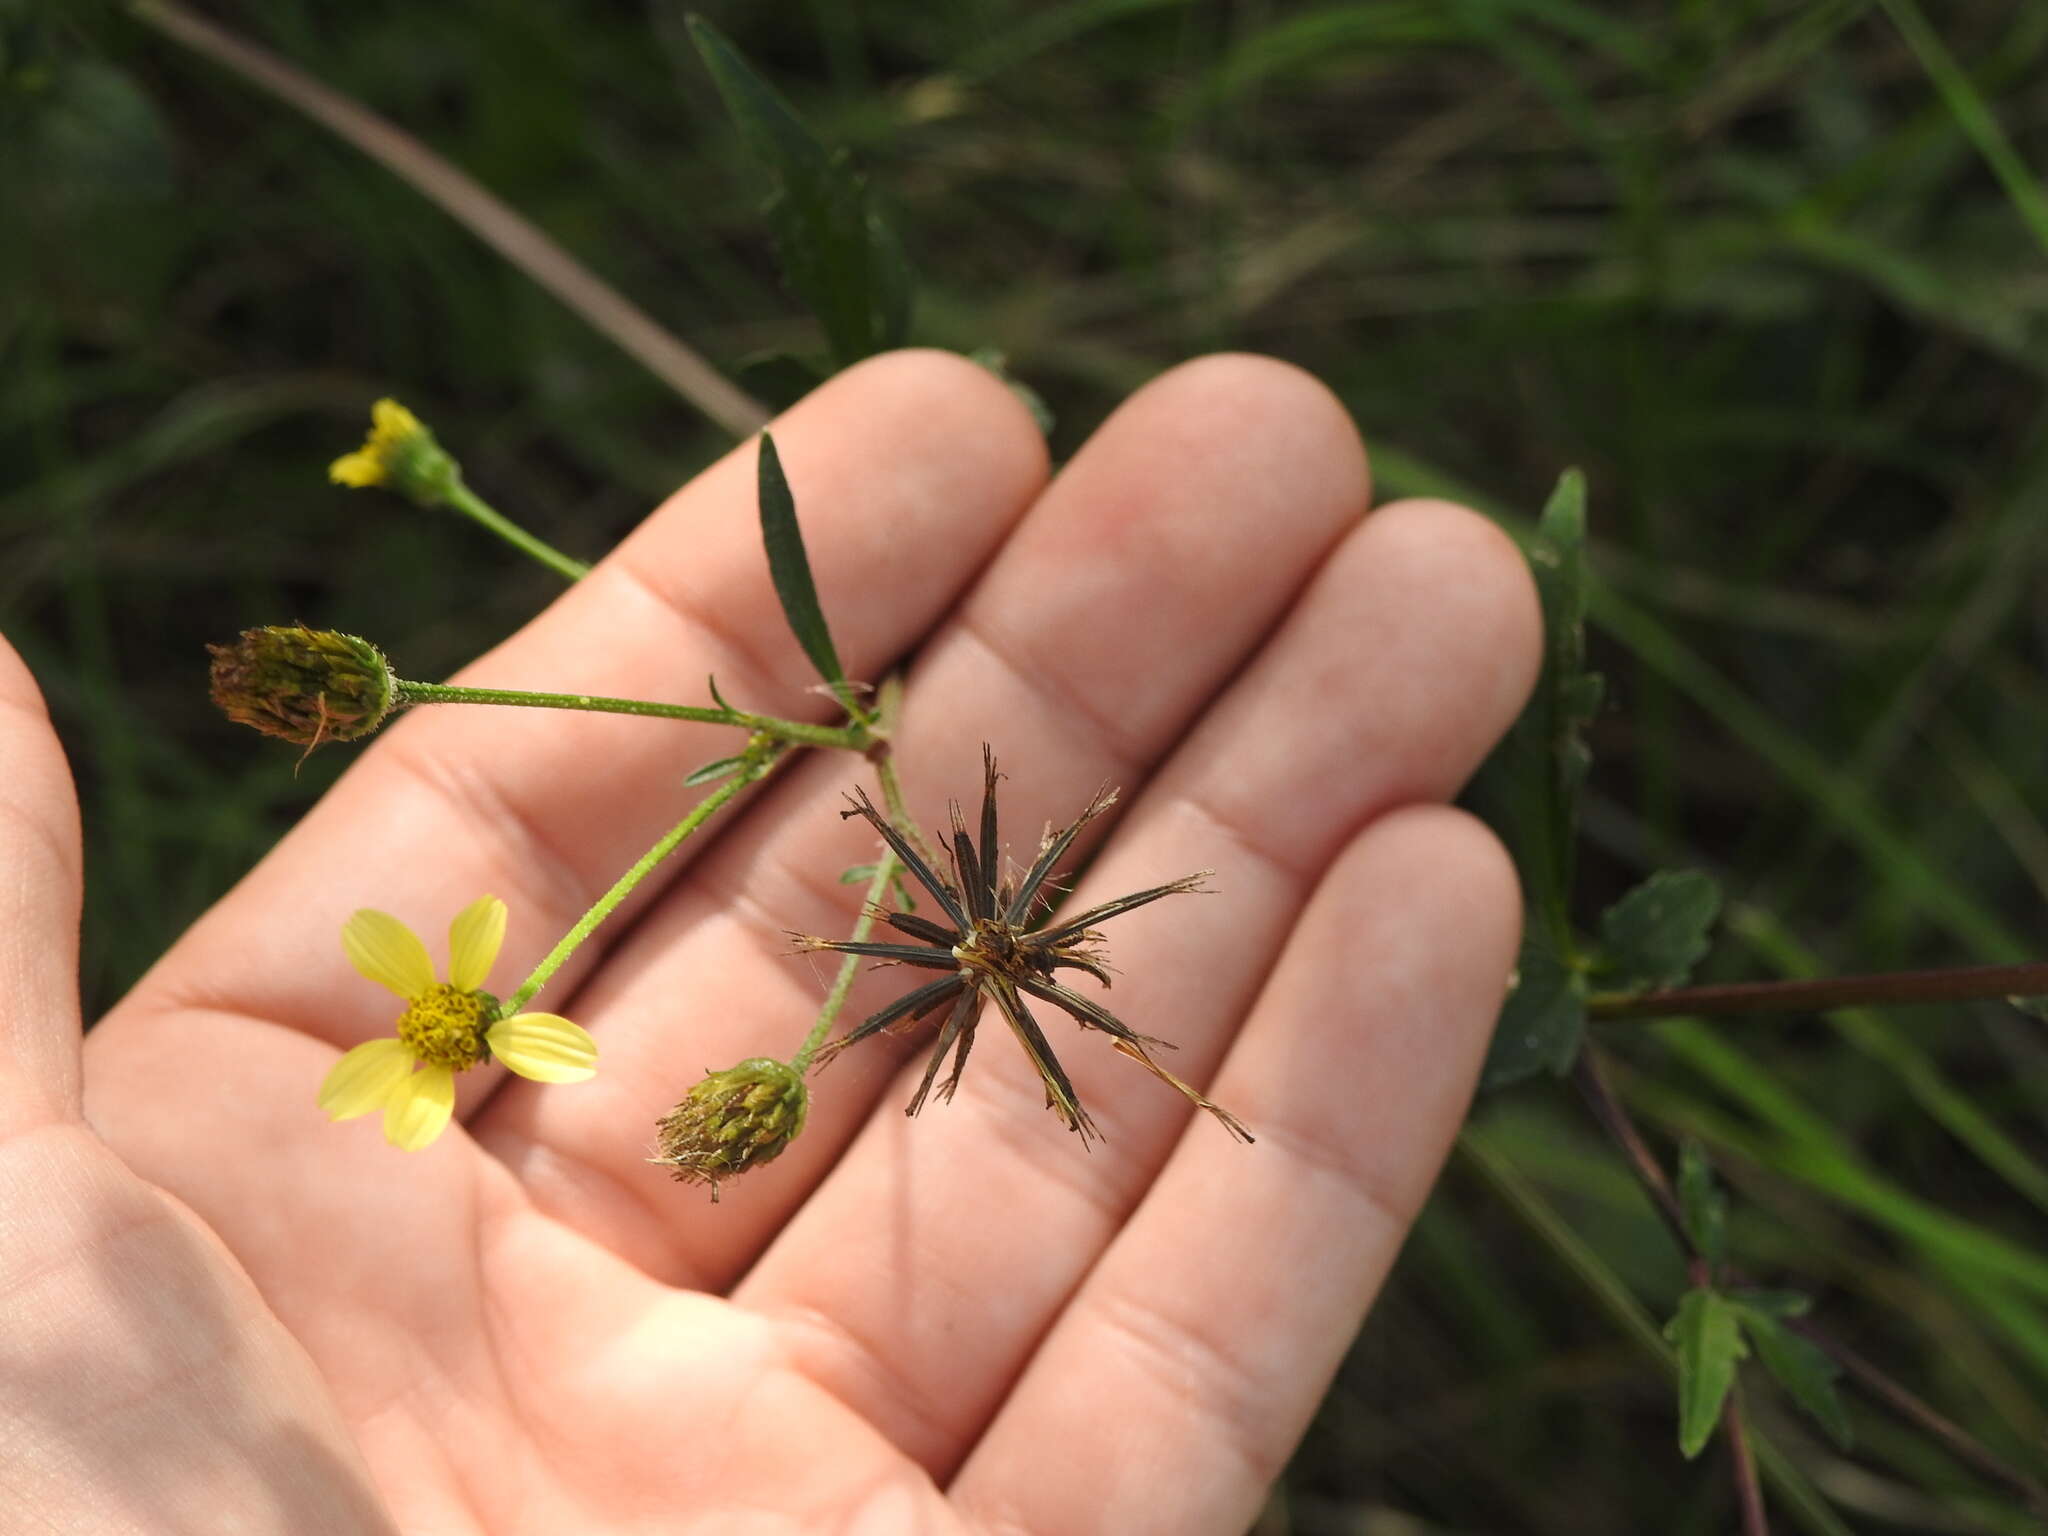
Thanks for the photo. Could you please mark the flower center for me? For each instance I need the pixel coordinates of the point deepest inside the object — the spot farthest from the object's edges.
(445, 1026)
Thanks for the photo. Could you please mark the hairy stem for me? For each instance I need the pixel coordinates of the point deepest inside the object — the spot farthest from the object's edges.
(886, 871)
(642, 867)
(474, 507)
(852, 738)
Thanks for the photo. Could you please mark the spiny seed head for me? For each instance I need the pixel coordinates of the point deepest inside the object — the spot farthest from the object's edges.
(303, 685)
(732, 1121)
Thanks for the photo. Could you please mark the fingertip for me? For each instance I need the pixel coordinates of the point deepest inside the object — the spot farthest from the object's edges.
(1480, 578)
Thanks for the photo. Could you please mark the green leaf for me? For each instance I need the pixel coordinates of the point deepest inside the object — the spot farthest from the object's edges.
(1801, 1367)
(838, 253)
(714, 770)
(2034, 1007)
(1528, 788)
(1657, 933)
(1703, 1206)
(790, 569)
(1544, 1017)
(1708, 1333)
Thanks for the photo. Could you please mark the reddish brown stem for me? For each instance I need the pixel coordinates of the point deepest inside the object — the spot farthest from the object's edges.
(1960, 984)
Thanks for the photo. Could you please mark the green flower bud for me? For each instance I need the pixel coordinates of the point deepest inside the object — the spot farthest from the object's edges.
(401, 455)
(303, 685)
(732, 1121)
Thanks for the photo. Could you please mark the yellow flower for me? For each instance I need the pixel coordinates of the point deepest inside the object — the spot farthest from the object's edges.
(399, 453)
(448, 1027)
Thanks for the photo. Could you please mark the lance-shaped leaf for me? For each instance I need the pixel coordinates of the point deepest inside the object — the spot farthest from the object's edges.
(1800, 1366)
(1528, 790)
(790, 569)
(1657, 933)
(838, 253)
(1708, 1333)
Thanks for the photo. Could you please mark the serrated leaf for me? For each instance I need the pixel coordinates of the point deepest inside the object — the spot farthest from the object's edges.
(1801, 1367)
(1703, 1206)
(790, 569)
(717, 769)
(1658, 932)
(1708, 1333)
(1543, 1019)
(1528, 788)
(838, 253)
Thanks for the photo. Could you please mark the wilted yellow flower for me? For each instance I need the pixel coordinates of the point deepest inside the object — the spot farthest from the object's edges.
(448, 1027)
(401, 454)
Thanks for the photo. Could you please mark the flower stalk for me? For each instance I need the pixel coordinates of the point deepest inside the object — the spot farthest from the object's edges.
(758, 766)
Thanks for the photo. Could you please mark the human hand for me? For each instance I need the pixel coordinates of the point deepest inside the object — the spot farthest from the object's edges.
(218, 1312)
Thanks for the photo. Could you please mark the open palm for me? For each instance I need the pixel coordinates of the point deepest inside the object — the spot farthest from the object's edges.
(220, 1312)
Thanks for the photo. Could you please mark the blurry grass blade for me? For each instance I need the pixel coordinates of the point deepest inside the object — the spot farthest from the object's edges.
(838, 253)
(1708, 1333)
(790, 568)
(1801, 1367)
(1703, 1206)
(1657, 933)
(1973, 115)
(1543, 1019)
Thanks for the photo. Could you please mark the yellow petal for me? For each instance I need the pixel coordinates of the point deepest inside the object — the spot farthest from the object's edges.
(473, 941)
(387, 952)
(419, 1108)
(544, 1047)
(364, 1077)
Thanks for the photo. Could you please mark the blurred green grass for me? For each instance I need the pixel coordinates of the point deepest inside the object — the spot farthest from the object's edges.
(1747, 263)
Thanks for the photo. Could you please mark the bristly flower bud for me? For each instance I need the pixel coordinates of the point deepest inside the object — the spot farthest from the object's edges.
(401, 455)
(732, 1121)
(303, 685)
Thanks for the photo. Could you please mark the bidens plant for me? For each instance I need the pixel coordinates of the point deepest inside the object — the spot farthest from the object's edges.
(1003, 943)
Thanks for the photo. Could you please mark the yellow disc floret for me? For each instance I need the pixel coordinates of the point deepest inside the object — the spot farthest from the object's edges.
(445, 1026)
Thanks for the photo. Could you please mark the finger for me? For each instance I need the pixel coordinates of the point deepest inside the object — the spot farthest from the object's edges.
(1402, 664)
(1174, 1386)
(1157, 561)
(39, 904)
(909, 469)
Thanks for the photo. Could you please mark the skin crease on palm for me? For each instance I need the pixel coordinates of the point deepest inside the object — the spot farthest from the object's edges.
(221, 1313)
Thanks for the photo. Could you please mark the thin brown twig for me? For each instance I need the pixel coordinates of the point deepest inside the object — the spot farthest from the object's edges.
(481, 211)
(1956, 984)
(1614, 1118)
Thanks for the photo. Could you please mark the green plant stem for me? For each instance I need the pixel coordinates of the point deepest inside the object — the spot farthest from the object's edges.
(473, 506)
(899, 811)
(642, 867)
(852, 738)
(886, 871)
(1957, 984)
(1476, 1151)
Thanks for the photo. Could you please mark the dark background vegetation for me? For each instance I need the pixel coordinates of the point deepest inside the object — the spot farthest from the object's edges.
(1738, 260)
